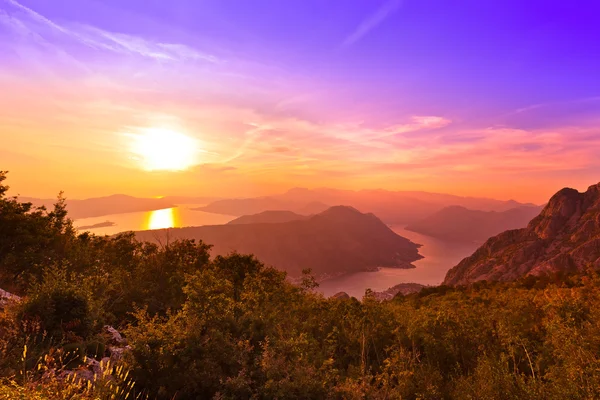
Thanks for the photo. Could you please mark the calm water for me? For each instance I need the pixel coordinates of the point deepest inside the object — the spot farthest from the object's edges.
(439, 255)
(167, 218)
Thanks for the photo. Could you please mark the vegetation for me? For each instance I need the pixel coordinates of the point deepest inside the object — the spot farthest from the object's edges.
(233, 328)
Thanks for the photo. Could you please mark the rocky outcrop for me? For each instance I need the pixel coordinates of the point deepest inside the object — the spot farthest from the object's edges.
(92, 369)
(341, 296)
(6, 297)
(565, 236)
(116, 345)
(402, 288)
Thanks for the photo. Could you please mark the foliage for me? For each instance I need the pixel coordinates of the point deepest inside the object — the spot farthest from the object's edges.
(233, 328)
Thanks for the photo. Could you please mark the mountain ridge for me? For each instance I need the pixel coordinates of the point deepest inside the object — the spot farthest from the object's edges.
(106, 205)
(460, 224)
(268, 217)
(392, 207)
(565, 236)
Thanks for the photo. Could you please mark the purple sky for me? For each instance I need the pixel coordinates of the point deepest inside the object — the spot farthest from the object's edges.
(498, 98)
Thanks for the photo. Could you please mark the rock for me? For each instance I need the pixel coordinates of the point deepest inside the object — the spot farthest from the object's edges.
(92, 370)
(403, 288)
(94, 366)
(341, 296)
(114, 337)
(117, 353)
(564, 237)
(117, 344)
(6, 297)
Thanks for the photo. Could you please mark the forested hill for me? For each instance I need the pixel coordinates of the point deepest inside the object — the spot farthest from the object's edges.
(336, 241)
(101, 318)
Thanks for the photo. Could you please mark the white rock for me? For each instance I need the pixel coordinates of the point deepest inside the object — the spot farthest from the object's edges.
(115, 336)
(6, 297)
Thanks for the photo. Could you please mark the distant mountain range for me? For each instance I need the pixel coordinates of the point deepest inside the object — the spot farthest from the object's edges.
(268, 217)
(565, 236)
(457, 223)
(100, 206)
(95, 226)
(190, 199)
(258, 205)
(337, 241)
(391, 207)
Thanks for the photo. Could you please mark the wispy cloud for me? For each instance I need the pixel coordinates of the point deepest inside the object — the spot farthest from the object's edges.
(27, 23)
(372, 21)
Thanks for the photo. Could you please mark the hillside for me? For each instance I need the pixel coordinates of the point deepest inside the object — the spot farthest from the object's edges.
(565, 236)
(392, 207)
(336, 241)
(127, 319)
(456, 223)
(268, 217)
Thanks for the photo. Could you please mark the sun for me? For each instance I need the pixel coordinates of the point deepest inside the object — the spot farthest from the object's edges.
(165, 150)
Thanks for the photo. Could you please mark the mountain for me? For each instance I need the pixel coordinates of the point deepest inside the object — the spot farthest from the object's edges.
(96, 226)
(457, 223)
(268, 217)
(565, 236)
(337, 241)
(391, 207)
(190, 199)
(100, 206)
(256, 205)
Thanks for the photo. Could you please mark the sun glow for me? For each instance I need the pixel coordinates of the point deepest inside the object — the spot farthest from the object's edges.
(162, 219)
(162, 149)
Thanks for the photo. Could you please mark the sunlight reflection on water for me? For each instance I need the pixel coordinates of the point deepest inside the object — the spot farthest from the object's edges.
(175, 217)
(161, 219)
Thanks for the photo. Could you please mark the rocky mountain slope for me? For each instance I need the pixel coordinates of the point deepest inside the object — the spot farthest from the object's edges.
(460, 224)
(337, 241)
(564, 237)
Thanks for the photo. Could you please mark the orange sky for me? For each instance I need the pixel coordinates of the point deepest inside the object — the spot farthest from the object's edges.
(79, 138)
(74, 116)
(80, 141)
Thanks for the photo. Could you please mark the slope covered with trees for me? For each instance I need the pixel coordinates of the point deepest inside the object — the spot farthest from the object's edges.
(232, 328)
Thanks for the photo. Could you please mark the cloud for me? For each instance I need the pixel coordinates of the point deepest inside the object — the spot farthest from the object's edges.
(416, 148)
(281, 149)
(372, 21)
(136, 45)
(216, 168)
(417, 123)
(27, 23)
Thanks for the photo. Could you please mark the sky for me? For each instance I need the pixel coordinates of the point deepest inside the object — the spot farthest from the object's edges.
(244, 98)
